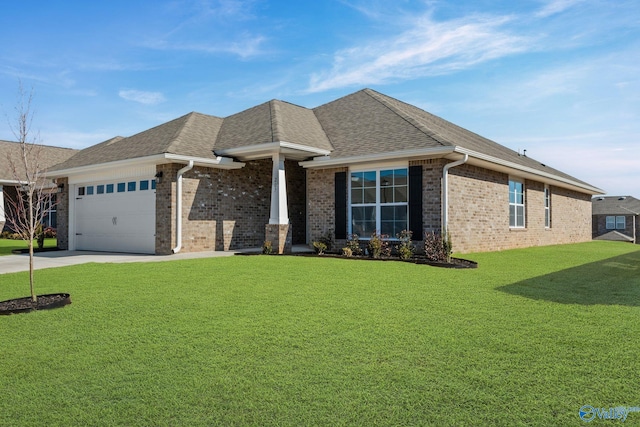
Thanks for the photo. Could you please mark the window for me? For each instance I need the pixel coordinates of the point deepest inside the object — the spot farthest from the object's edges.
(516, 204)
(379, 202)
(80, 191)
(144, 185)
(89, 190)
(109, 188)
(49, 208)
(547, 207)
(131, 186)
(121, 187)
(100, 189)
(616, 223)
(153, 184)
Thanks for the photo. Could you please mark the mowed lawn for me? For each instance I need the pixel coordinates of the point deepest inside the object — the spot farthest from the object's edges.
(7, 245)
(526, 339)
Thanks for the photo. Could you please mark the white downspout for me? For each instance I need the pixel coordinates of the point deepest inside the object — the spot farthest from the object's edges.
(445, 191)
(179, 206)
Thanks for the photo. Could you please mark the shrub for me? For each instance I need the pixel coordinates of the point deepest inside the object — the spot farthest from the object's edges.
(50, 233)
(378, 245)
(267, 247)
(405, 248)
(353, 244)
(437, 247)
(40, 236)
(347, 252)
(320, 247)
(327, 240)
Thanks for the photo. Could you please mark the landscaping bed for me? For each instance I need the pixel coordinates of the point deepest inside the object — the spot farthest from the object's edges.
(26, 304)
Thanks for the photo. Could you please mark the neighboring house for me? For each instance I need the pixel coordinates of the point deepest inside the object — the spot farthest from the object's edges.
(616, 218)
(287, 174)
(11, 180)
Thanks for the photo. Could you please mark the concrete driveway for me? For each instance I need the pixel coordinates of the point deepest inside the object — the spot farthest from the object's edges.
(17, 263)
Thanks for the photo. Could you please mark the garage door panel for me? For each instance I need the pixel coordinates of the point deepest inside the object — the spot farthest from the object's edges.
(116, 222)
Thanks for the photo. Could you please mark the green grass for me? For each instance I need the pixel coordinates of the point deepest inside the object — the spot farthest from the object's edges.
(526, 339)
(7, 245)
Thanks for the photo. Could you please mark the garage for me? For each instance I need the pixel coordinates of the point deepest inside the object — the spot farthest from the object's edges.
(117, 216)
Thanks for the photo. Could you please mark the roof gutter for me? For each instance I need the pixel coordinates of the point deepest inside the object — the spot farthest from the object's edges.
(179, 206)
(327, 161)
(528, 170)
(445, 190)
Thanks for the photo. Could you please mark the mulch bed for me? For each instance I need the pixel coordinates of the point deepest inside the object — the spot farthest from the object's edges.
(35, 250)
(418, 259)
(25, 304)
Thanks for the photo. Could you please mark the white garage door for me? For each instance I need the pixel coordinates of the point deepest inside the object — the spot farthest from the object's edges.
(116, 216)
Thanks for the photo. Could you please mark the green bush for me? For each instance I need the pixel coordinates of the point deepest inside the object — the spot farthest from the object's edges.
(267, 247)
(320, 247)
(353, 243)
(378, 245)
(405, 248)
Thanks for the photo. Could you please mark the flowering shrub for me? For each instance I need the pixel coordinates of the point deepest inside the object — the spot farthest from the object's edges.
(437, 247)
(378, 245)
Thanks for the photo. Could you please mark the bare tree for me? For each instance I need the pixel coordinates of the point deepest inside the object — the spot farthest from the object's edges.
(27, 211)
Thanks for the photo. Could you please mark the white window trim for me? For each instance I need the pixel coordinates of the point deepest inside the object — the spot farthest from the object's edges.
(624, 222)
(375, 168)
(524, 204)
(547, 206)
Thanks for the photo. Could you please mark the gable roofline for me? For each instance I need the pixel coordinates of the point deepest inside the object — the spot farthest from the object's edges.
(158, 159)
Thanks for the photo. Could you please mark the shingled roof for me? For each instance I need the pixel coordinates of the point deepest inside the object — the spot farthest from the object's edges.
(46, 155)
(364, 123)
(615, 205)
(189, 135)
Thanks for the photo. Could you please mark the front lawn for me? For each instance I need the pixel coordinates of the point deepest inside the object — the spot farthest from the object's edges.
(7, 245)
(526, 339)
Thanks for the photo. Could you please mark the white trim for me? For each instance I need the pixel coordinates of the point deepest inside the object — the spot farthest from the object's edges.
(378, 204)
(265, 150)
(516, 204)
(529, 173)
(327, 161)
(2, 216)
(158, 159)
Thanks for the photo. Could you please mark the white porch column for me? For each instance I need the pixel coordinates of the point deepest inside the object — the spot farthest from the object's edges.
(2, 217)
(279, 213)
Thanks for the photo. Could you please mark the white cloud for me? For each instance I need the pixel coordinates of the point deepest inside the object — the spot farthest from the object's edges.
(427, 48)
(147, 98)
(556, 6)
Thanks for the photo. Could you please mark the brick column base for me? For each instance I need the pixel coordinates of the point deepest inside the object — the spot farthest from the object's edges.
(280, 237)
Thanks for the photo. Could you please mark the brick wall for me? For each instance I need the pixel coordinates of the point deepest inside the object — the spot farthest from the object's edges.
(296, 177)
(222, 209)
(321, 203)
(62, 214)
(599, 226)
(479, 213)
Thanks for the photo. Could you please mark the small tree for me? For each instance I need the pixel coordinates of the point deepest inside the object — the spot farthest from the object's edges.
(26, 212)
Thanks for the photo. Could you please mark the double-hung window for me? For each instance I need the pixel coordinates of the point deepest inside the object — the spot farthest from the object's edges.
(547, 207)
(615, 222)
(379, 202)
(516, 204)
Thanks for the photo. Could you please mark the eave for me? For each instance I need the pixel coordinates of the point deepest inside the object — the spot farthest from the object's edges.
(266, 150)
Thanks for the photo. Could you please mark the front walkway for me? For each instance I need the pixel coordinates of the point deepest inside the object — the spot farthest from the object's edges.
(17, 263)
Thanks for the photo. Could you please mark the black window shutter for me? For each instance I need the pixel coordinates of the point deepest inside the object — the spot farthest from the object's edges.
(341, 205)
(415, 202)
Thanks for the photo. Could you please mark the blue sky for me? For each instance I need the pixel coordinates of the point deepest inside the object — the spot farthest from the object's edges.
(559, 78)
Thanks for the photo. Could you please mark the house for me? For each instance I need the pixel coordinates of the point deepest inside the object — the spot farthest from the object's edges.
(12, 179)
(287, 174)
(616, 218)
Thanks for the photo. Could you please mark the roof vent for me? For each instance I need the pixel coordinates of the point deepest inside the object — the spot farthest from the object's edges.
(621, 198)
(600, 198)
